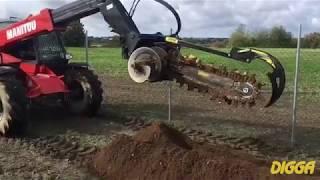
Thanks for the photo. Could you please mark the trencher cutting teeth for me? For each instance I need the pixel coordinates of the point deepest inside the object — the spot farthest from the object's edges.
(235, 88)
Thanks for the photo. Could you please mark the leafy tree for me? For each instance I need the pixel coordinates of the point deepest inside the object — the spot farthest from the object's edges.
(279, 37)
(312, 40)
(262, 38)
(74, 36)
(241, 38)
(219, 44)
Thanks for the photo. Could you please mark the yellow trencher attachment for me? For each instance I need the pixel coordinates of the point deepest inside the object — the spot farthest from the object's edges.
(265, 57)
(172, 40)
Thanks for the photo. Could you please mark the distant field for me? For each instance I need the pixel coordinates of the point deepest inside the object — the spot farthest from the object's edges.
(108, 60)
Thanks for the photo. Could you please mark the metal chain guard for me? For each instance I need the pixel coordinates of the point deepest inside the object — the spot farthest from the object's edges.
(232, 87)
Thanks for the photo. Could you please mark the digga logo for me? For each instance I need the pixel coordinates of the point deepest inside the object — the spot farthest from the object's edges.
(293, 167)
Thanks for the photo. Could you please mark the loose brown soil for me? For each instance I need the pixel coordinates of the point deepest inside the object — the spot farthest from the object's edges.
(190, 111)
(161, 152)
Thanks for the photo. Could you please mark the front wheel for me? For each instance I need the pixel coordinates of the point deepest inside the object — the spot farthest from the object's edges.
(13, 106)
(85, 94)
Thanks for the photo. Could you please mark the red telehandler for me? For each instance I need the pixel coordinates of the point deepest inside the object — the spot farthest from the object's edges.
(34, 63)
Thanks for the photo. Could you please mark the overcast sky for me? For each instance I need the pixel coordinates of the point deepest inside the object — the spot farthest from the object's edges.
(200, 18)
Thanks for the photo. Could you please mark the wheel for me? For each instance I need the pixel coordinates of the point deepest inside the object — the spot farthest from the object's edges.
(144, 65)
(85, 94)
(13, 106)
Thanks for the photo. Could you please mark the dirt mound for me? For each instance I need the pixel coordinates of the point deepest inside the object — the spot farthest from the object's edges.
(160, 134)
(160, 152)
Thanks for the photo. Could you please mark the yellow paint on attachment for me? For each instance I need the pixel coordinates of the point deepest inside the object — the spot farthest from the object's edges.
(269, 61)
(203, 74)
(265, 57)
(191, 56)
(259, 52)
(172, 40)
(243, 50)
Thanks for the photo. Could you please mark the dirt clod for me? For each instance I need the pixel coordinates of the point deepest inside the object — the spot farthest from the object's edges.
(161, 152)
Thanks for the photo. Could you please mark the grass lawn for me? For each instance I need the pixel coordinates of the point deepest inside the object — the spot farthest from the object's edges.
(109, 60)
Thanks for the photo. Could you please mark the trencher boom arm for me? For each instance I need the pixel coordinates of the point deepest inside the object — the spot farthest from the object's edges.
(155, 57)
(276, 77)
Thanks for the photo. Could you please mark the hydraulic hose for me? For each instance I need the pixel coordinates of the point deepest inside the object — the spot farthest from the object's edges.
(174, 12)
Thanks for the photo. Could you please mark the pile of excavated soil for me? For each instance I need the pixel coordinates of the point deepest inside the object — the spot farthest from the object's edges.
(160, 152)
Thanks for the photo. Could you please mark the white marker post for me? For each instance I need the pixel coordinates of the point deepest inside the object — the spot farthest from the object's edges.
(169, 100)
(169, 93)
(87, 48)
(296, 81)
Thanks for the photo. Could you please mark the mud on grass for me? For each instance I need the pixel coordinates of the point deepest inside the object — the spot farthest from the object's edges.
(192, 113)
(195, 111)
(24, 161)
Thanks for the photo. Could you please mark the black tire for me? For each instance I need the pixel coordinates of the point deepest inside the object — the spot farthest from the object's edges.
(85, 95)
(13, 101)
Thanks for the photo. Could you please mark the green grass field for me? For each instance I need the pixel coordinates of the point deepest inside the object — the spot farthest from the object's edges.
(109, 60)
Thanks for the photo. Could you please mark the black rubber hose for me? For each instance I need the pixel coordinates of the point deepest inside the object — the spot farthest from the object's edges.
(174, 12)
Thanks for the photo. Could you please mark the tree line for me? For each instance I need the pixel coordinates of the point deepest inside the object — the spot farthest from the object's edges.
(276, 37)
